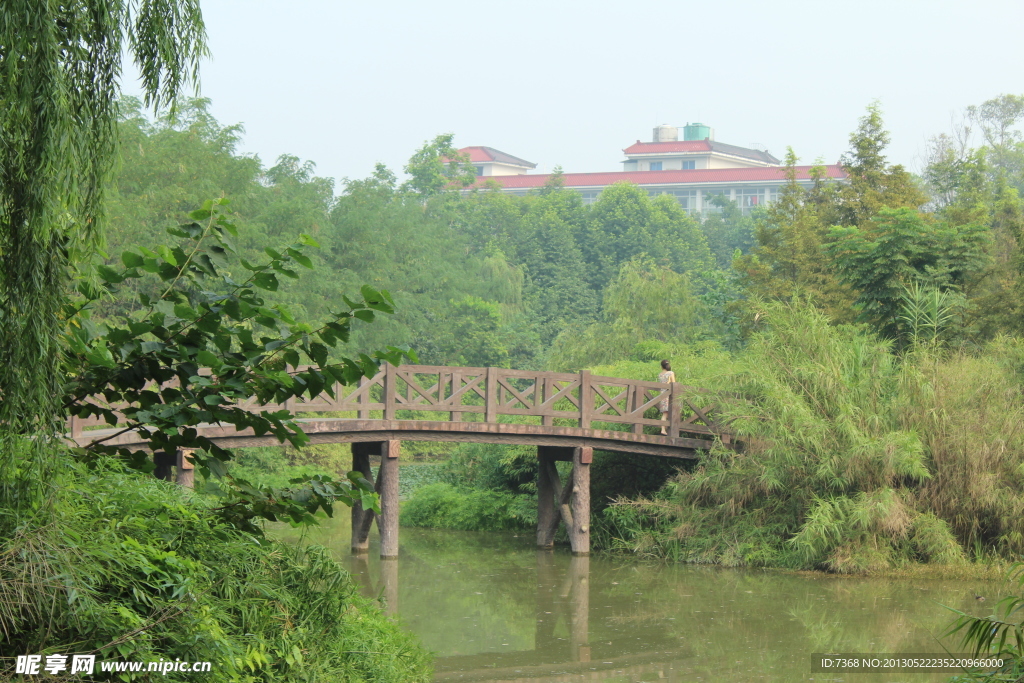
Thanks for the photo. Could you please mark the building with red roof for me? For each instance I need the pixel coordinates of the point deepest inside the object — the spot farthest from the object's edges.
(489, 161)
(693, 170)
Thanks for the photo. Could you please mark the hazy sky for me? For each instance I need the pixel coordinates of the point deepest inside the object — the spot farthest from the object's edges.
(569, 83)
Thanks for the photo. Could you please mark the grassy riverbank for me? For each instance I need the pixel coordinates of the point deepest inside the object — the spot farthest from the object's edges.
(132, 568)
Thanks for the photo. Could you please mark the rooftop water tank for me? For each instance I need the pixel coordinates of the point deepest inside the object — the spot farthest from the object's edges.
(698, 131)
(666, 133)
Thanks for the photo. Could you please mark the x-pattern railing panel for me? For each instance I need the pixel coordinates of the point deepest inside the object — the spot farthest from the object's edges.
(587, 400)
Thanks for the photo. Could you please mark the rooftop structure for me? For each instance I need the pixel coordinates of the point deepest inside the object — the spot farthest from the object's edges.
(489, 161)
(693, 170)
(698, 149)
(693, 189)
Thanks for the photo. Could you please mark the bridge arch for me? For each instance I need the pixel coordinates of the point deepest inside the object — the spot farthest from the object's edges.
(566, 415)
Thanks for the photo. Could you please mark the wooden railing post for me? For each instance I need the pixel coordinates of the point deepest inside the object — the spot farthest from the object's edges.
(443, 380)
(586, 403)
(546, 386)
(364, 398)
(675, 413)
(639, 394)
(185, 475)
(390, 389)
(491, 391)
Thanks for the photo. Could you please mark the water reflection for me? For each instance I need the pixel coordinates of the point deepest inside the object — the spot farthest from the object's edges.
(493, 608)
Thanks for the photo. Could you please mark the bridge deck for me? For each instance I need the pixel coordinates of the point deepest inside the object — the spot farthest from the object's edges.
(347, 430)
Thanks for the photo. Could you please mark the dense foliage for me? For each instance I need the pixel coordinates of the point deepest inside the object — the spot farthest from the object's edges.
(481, 279)
(138, 570)
(856, 458)
(59, 71)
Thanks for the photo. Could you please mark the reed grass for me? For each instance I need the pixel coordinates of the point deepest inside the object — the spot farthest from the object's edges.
(858, 459)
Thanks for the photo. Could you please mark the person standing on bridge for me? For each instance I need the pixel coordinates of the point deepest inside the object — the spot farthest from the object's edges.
(665, 377)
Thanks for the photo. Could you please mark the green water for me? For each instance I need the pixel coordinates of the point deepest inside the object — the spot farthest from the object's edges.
(493, 608)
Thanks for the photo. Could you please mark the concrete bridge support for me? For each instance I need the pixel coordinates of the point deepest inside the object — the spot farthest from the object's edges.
(568, 504)
(386, 487)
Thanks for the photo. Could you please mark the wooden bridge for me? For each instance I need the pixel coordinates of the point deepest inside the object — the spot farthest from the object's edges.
(566, 415)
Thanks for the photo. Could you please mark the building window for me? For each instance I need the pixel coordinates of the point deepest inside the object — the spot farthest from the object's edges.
(686, 198)
(590, 196)
(479, 170)
(689, 165)
(710, 204)
(748, 198)
(655, 165)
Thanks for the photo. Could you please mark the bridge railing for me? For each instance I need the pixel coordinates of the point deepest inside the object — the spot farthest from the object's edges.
(483, 394)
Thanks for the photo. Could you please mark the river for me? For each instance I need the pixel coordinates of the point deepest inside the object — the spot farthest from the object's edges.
(493, 608)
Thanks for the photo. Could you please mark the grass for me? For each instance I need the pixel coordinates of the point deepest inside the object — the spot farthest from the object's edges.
(132, 568)
(860, 460)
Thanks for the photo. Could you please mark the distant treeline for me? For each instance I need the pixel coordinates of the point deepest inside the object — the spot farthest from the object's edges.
(479, 279)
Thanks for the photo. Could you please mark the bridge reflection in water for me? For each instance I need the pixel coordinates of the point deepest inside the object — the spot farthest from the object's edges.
(562, 648)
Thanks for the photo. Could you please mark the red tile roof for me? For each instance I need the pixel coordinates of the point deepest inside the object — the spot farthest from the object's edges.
(489, 154)
(693, 177)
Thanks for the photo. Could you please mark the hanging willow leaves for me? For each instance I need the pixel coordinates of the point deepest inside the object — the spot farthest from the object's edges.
(60, 64)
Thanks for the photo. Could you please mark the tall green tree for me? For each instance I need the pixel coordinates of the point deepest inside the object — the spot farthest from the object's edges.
(873, 183)
(787, 260)
(646, 306)
(60, 66)
(625, 223)
(437, 166)
(901, 248)
(997, 119)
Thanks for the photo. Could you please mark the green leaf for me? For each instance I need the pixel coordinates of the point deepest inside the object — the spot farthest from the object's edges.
(266, 281)
(287, 272)
(108, 274)
(132, 260)
(167, 254)
(318, 352)
(218, 467)
(184, 311)
(308, 241)
(208, 359)
(300, 258)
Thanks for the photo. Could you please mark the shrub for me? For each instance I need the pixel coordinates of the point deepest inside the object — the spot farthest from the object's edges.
(857, 459)
(443, 506)
(139, 569)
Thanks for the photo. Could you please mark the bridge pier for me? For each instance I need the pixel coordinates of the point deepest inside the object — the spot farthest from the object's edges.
(362, 519)
(387, 478)
(387, 488)
(569, 504)
(186, 472)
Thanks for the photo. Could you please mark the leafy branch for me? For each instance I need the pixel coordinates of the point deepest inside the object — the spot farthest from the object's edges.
(204, 347)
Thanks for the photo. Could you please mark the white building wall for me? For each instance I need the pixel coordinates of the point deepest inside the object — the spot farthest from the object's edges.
(494, 168)
(731, 162)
